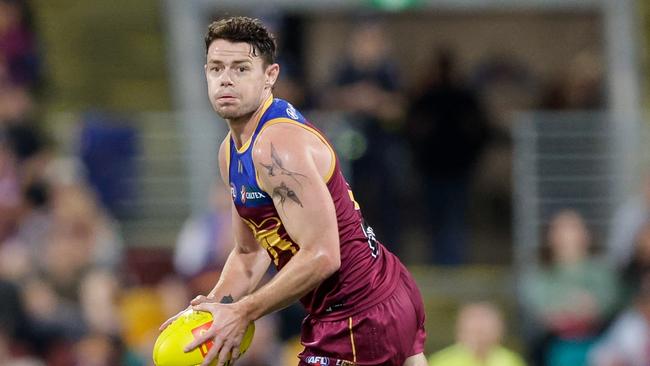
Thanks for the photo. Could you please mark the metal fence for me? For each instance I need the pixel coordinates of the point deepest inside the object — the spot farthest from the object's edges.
(561, 161)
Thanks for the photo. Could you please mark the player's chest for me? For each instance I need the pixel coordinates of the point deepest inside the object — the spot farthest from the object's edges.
(243, 183)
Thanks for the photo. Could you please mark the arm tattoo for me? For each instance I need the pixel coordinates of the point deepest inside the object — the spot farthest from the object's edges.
(276, 167)
(285, 192)
(227, 299)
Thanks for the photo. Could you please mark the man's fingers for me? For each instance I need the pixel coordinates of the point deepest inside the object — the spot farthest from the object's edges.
(201, 307)
(199, 299)
(171, 320)
(199, 340)
(165, 324)
(235, 353)
(224, 355)
(168, 321)
(208, 335)
(214, 351)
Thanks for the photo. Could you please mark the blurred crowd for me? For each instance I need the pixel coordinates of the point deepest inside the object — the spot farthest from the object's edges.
(72, 293)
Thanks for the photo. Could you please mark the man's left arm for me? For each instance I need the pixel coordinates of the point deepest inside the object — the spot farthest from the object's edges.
(292, 165)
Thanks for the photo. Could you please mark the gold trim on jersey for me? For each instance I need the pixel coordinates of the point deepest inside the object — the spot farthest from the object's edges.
(275, 121)
(356, 204)
(228, 155)
(258, 117)
(269, 239)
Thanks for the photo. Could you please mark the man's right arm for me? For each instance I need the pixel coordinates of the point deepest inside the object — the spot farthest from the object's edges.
(245, 265)
(248, 261)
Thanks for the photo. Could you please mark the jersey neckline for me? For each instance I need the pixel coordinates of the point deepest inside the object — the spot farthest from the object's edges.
(258, 118)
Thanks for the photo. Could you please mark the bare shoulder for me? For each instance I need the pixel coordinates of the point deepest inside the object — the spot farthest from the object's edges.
(291, 137)
(293, 145)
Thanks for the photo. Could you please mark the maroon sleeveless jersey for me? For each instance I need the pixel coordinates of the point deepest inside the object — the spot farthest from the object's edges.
(368, 273)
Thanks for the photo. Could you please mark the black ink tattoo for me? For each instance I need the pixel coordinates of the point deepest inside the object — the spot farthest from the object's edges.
(276, 167)
(285, 192)
(227, 299)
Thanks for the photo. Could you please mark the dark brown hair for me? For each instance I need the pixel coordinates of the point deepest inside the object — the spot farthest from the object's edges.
(246, 30)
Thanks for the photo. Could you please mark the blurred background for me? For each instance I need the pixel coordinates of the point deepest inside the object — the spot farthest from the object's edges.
(498, 147)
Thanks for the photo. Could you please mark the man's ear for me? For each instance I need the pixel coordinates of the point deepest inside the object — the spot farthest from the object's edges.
(272, 72)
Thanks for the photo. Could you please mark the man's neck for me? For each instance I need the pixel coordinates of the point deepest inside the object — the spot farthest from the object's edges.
(241, 129)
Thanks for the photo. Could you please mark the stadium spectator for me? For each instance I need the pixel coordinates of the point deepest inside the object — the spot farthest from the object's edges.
(571, 295)
(366, 85)
(639, 263)
(204, 242)
(626, 224)
(627, 341)
(447, 130)
(479, 333)
(580, 87)
(18, 47)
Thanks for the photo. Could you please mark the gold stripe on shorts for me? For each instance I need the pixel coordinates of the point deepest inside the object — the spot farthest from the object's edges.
(354, 350)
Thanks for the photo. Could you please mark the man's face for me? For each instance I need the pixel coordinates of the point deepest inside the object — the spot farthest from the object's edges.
(237, 79)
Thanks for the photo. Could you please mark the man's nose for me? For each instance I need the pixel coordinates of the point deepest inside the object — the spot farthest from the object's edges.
(226, 80)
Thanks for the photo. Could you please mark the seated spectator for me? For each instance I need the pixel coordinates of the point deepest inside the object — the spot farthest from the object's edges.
(627, 342)
(627, 223)
(204, 243)
(7, 358)
(571, 295)
(479, 332)
(639, 262)
(81, 225)
(579, 87)
(18, 51)
(9, 191)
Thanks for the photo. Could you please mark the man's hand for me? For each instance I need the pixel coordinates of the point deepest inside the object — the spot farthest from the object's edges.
(197, 300)
(227, 331)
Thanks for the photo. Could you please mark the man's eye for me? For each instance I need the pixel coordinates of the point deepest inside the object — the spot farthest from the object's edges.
(243, 68)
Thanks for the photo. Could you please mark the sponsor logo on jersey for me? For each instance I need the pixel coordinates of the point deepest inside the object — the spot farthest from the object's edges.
(334, 307)
(291, 111)
(232, 191)
(250, 195)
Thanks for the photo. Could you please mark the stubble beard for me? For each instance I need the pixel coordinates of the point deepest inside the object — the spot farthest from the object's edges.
(234, 115)
(228, 112)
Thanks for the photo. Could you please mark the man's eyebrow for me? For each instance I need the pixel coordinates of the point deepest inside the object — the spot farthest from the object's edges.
(236, 62)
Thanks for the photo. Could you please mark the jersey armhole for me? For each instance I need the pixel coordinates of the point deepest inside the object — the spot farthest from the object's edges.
(275, 121)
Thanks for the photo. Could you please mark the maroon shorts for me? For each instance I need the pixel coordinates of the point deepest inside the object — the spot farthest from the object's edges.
(384, 334)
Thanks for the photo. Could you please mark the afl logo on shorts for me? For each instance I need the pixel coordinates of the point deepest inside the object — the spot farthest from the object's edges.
(318, 360)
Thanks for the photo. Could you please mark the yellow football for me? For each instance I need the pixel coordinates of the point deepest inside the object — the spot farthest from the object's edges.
(168, 350)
